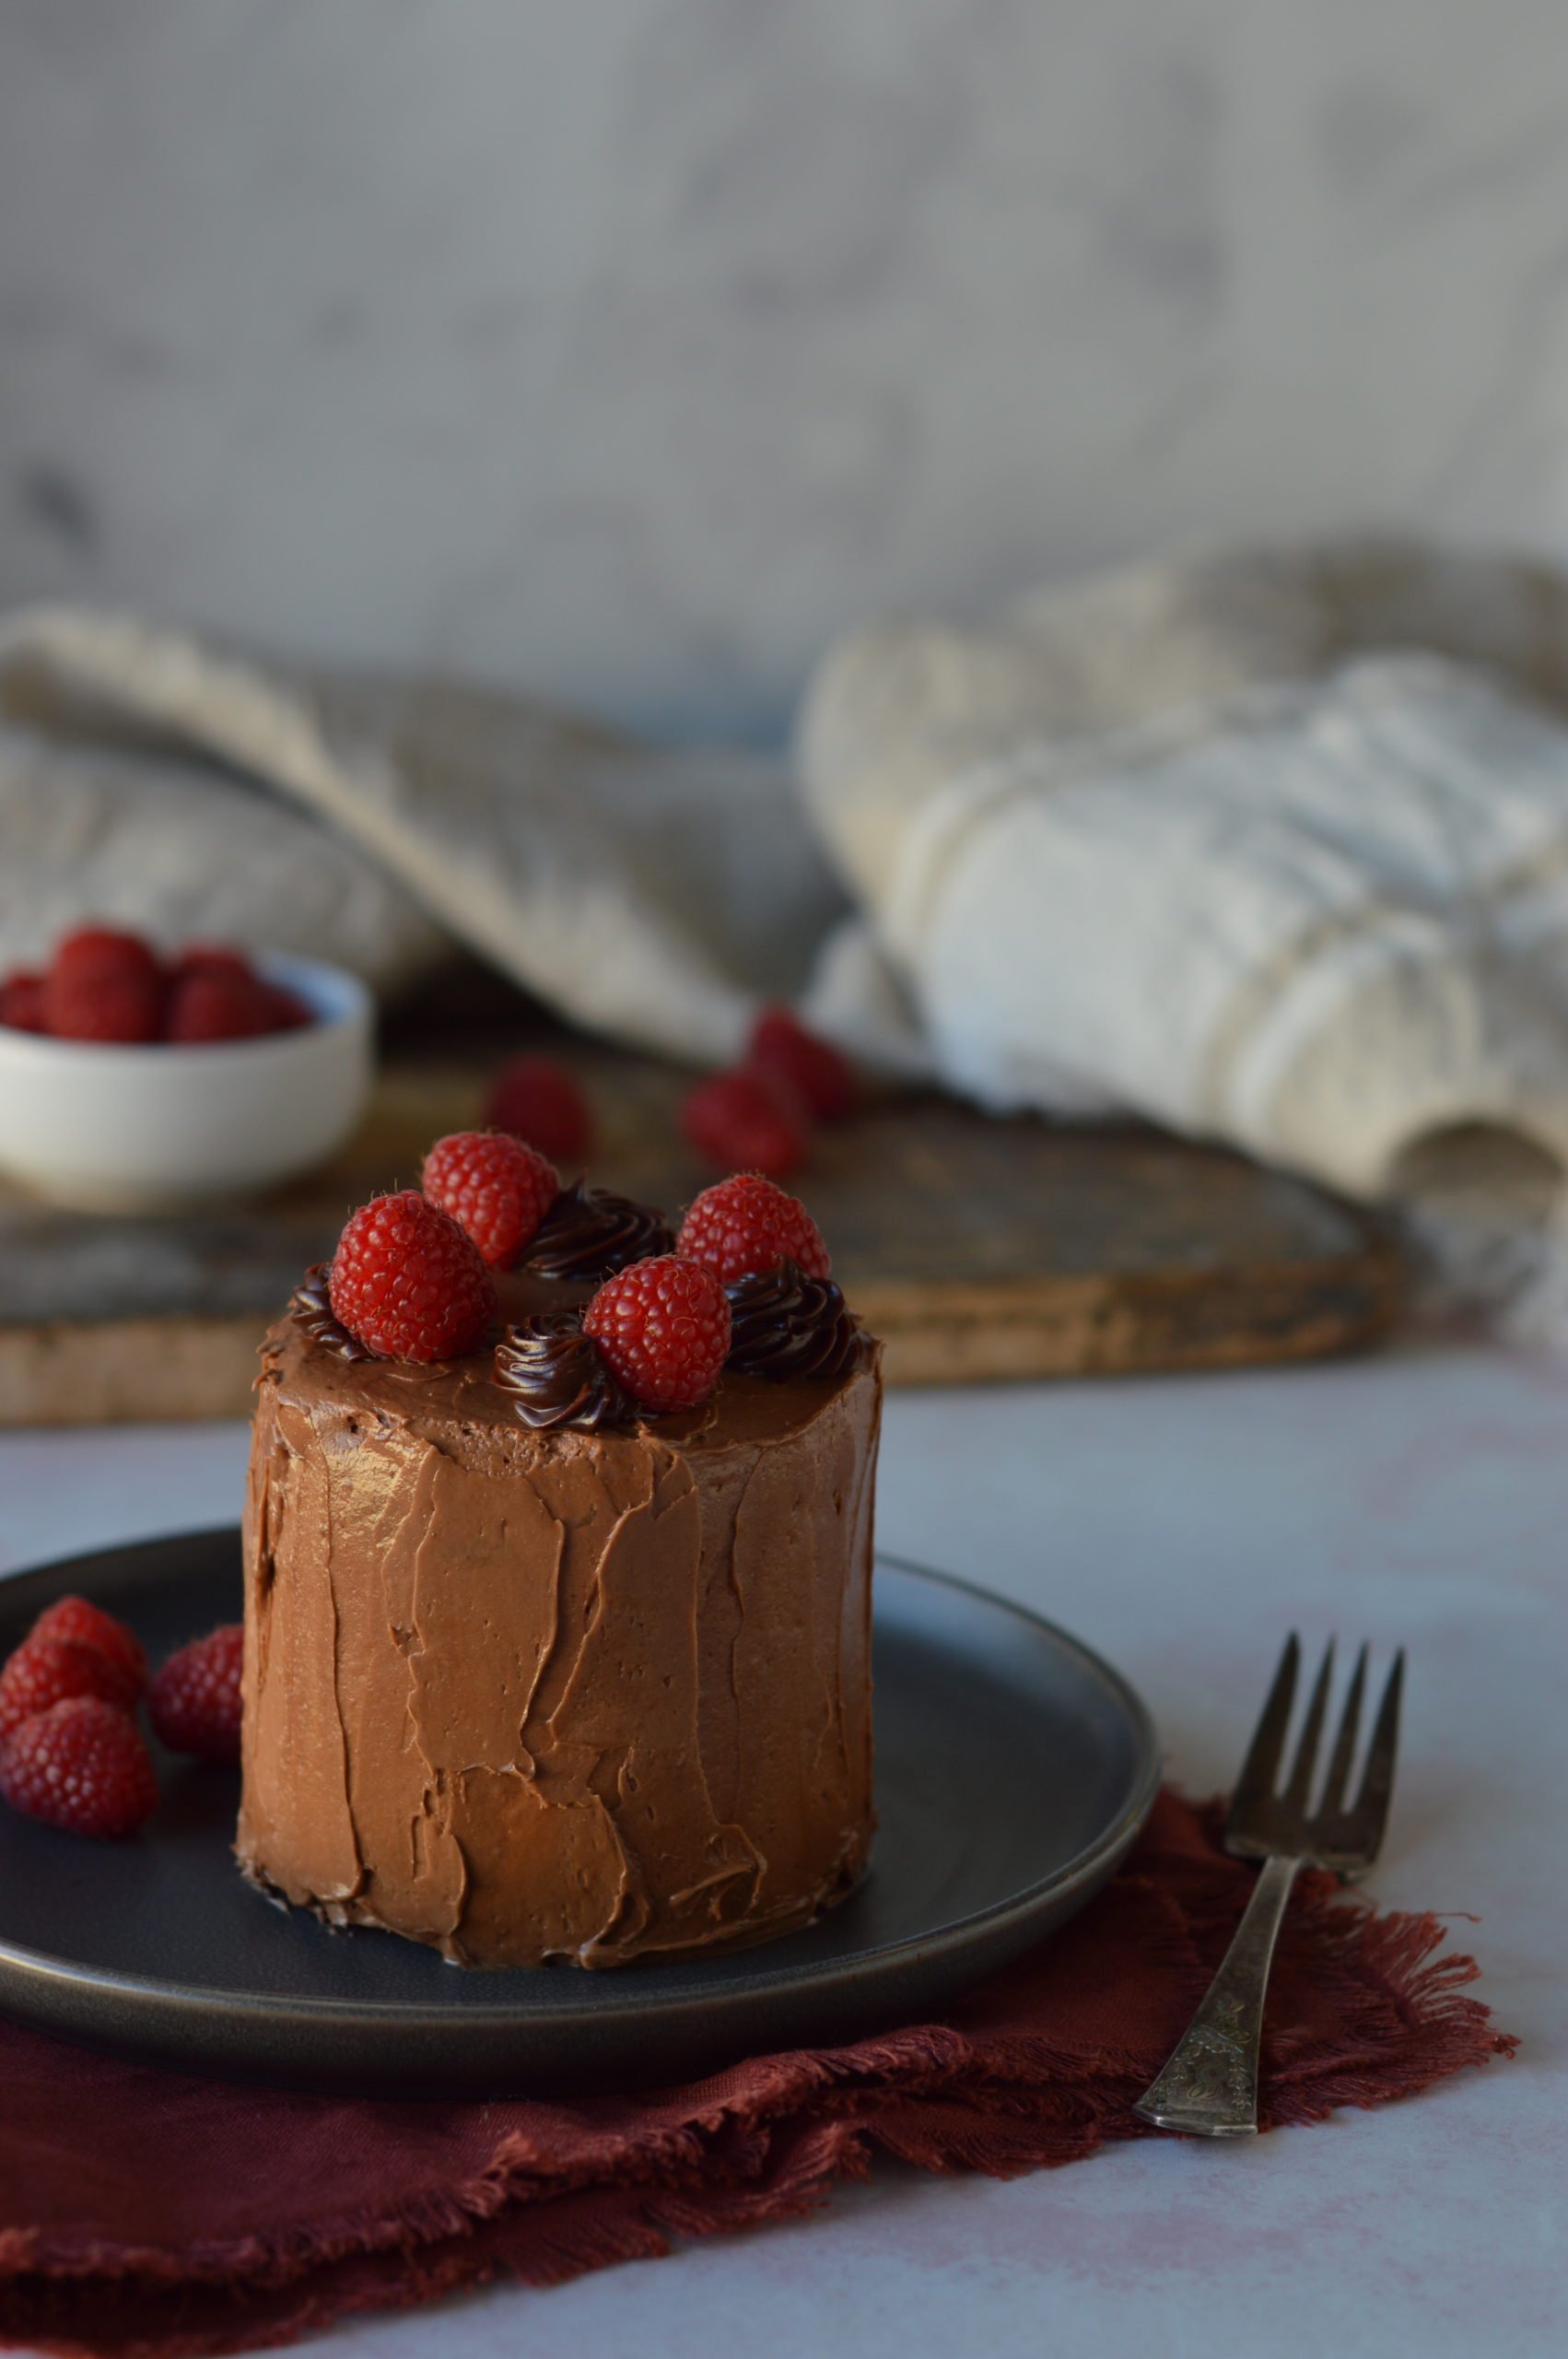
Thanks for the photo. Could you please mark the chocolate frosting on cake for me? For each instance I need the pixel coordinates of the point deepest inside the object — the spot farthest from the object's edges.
(587, 1694)
(590, 1233)
(556, 1376)
(310, 1306)
(785, 1325)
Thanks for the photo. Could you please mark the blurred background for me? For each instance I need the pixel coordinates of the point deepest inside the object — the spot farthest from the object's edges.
(628, 353)
(463, 471)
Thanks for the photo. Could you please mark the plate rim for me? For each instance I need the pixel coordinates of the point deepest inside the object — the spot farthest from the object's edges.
(619, 1999)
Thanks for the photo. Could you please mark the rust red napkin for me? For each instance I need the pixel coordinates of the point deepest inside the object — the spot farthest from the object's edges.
(142, 2212)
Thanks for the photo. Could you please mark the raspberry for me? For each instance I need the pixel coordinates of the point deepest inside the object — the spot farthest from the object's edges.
(89, 1626)
(748, 1118)
(820, 1075)
(663, 1328)
(193, 1702)
(496, 1188)
(104, 986)
(108, 1008)
(22, 1003)
(410, 1282)
(287, 1011)
(540, 1102)
(213, 1004)
(81, 1766)
(209, 959)
(96, 952)
(744, 1225)
(43, 1670)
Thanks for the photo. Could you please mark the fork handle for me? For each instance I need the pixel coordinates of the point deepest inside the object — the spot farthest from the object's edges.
(1210, 2086)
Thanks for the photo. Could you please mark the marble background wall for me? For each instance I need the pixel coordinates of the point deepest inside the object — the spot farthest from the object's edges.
(626, 350)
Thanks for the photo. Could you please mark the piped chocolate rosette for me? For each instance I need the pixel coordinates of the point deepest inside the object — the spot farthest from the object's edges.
(790, 1328)
(654, 1339)
(591, 1232)
(789, 1321)
(310, 1306)
(557, 1376)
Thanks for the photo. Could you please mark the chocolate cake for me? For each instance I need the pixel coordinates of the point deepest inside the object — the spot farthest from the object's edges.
(533, 1674)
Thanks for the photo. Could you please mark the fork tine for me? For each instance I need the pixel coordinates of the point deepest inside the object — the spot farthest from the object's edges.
(1371, 1811)
(1312, 1730)
(1258, 1771)
(1344, 1743)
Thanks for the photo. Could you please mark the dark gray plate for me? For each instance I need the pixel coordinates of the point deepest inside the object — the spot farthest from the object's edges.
(1013, 1769)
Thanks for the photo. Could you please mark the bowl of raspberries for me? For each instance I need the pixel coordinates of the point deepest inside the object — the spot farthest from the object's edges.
(136, 1079)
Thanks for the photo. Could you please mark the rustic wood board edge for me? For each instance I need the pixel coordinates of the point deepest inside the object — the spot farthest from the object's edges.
(151, 1370)
(127, 1371)
(1117, 1324)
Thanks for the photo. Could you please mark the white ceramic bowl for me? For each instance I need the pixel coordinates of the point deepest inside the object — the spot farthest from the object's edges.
(158, 1129)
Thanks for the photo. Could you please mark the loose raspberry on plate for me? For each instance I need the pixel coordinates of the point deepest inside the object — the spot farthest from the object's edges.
(495, 1187)
(663, 1328)
(81, 1766)
(193, 1702)
(748, 1118)
(103, 985)
(43, 1671)
(88, 1625)
(541, 1103)
(745, 1225)
(22, 1001)
(820, 1075)
(409, 1280)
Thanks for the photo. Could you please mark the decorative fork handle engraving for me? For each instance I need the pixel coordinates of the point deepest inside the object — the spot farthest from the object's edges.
(1210, 2086)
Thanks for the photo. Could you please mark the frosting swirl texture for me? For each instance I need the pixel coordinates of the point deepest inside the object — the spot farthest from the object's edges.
(785, 1325)
(556, 1376)
(310, 1308)
(591, 1233)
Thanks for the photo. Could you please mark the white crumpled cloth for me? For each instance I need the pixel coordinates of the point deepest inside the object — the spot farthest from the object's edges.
(152, 779)
(1270, 846)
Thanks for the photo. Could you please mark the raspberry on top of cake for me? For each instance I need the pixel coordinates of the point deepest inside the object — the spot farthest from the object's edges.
(746, 1286)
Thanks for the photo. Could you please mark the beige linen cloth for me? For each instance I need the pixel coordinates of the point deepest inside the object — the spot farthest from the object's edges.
(1269, 847)
(158, 781)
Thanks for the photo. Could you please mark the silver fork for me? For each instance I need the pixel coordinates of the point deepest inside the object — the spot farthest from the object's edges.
(1210, 2086)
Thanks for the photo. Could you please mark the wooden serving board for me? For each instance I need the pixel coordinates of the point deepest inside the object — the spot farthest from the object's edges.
(977, 1249)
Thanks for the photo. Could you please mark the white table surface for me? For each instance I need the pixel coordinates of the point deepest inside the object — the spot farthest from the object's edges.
(1180, 1525)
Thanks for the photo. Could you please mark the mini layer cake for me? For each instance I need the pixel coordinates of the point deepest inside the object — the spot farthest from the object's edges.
(534, 1672)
